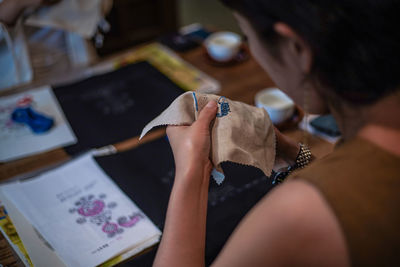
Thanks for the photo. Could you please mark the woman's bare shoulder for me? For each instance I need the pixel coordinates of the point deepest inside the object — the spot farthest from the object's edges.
(293, 224)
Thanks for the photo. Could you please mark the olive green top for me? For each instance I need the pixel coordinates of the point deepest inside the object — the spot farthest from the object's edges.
(361, 183)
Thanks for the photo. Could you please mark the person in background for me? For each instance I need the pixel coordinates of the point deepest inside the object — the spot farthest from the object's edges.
(10, 10)
(53, 52)
(40, 53)
(338, 56)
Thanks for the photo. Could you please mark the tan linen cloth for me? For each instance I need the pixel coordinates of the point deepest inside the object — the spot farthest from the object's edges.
(241, 133)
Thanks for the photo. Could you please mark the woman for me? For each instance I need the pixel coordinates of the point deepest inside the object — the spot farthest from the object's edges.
(342, 210)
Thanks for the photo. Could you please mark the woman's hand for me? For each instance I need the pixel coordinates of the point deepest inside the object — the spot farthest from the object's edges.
(191, 144)
(184, 237)
(286, 148)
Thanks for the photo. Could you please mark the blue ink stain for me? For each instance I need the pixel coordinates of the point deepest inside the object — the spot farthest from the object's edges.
(39, 123)
(223, 107)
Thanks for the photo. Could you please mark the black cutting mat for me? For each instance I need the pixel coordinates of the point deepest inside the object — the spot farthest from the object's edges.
(115, 106)
(146, 175)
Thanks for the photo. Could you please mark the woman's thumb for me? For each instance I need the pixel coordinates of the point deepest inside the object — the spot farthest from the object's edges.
(207, 114)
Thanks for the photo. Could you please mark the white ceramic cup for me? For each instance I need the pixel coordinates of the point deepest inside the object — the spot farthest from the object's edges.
(223, 46)
(279, 106)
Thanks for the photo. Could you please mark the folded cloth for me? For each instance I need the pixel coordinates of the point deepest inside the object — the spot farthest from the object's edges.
(241, 133)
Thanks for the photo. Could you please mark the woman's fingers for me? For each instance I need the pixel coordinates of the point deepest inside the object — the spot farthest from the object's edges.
(207, 114)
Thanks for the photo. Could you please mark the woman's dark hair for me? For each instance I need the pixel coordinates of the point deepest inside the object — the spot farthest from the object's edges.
(356, 43)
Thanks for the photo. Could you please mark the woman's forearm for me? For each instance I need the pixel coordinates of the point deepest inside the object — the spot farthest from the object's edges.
(183, 241)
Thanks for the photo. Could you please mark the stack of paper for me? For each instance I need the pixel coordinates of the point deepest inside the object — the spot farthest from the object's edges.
(75, 215)
(17, 140)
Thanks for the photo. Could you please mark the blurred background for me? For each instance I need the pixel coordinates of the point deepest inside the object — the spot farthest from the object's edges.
(135, 21)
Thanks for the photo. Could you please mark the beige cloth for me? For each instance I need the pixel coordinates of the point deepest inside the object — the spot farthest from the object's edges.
(241, 133)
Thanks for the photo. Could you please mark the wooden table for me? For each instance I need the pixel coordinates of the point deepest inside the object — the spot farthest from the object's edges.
(238, 82)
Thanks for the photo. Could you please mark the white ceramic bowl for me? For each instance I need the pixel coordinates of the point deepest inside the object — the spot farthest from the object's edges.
(223, 46)
(279, 106)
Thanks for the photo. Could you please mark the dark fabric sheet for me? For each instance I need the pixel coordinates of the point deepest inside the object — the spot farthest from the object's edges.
(115, 106)
(146, 175)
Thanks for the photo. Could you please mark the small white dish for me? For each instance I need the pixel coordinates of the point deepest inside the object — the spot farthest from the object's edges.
(279, 106)
(223, 46)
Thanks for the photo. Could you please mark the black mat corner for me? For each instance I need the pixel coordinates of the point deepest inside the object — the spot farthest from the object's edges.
(115, 106)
